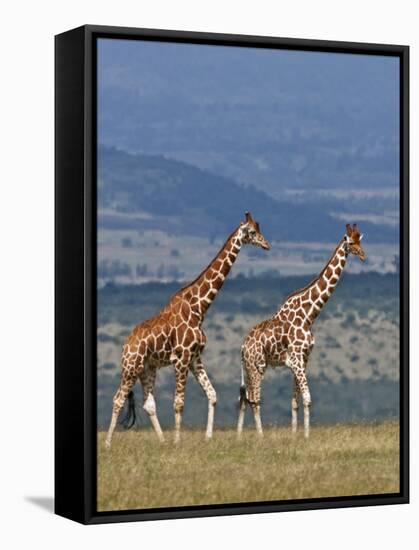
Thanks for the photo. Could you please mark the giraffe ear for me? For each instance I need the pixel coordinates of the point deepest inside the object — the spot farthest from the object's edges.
(257, 227)
(360, 237)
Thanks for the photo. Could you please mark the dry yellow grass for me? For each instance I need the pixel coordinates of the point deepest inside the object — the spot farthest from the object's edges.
(138, 472)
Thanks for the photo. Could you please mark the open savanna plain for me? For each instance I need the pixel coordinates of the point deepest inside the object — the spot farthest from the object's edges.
(339, 460)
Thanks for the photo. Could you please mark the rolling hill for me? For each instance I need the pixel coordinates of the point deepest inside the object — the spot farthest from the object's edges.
(137, 191)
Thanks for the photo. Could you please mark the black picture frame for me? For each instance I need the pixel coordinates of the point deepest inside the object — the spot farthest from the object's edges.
(75, 273)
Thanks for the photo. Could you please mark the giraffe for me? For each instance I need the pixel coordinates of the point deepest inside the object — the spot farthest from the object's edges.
(286, 338)
(175, 337)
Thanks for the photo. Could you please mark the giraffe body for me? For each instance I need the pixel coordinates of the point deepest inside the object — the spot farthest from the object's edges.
(175, 337)
(286, 339)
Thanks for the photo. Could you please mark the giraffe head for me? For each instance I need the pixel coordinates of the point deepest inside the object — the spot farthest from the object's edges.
(250, 233)
(353, 240)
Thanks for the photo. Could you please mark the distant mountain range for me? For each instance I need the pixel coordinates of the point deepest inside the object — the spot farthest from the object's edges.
(273, 119)
(139, 191)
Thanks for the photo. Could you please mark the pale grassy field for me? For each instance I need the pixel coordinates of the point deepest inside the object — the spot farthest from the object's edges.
(138, 472)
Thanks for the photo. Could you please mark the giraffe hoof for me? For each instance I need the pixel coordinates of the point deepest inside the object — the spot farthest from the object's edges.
(107, 444)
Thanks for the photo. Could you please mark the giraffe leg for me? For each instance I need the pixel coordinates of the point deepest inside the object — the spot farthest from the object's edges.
(200, 374)
(148, 379)
(294, 406)
(305, 392)
(254, 394)
(258, 420)
(297, 363)
(181, 372)
(127, 382)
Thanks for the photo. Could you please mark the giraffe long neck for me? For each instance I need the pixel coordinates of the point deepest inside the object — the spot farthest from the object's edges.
(324, 285)
(307, 302)
(204, 289)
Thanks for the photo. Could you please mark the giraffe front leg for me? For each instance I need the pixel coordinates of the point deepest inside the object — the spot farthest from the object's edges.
(148, 379)
(202, 377)
(294, 406)
(307, 405)
(305, 392)
(181, 373)
(297, 363)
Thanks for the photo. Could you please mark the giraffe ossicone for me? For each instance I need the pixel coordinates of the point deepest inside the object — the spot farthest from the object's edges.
(175, 336)
(286, 338)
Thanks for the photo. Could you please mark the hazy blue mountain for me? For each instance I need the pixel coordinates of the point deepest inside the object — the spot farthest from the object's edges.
(272, 119)
(182, 199)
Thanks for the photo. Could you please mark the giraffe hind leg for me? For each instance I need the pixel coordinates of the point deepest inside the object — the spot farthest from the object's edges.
(182, 365)
(201, 376)
(255, 370)
(254, 400)
(258, 419)
(148, 379)
(123, 392)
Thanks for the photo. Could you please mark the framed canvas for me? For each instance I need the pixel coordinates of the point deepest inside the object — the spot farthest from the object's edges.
(264, 177)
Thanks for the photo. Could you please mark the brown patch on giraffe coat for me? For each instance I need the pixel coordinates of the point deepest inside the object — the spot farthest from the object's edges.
(185, 310)
(314, 294)
(306, 306)
(304, 297)
(188, 295)
(204, 288)
(218, 281)
(322, 284)
(216, 266)
(328, 272)
(225, 268)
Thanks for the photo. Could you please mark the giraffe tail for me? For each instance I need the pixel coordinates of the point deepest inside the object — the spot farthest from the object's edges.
(130, 417)
(243, 391)
(243, 395)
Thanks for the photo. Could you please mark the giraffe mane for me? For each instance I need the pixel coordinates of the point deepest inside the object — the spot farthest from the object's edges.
(301, 290)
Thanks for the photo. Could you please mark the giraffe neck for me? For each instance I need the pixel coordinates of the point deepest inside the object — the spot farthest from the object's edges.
(324, 285)
(201, 292)
(309, 301)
